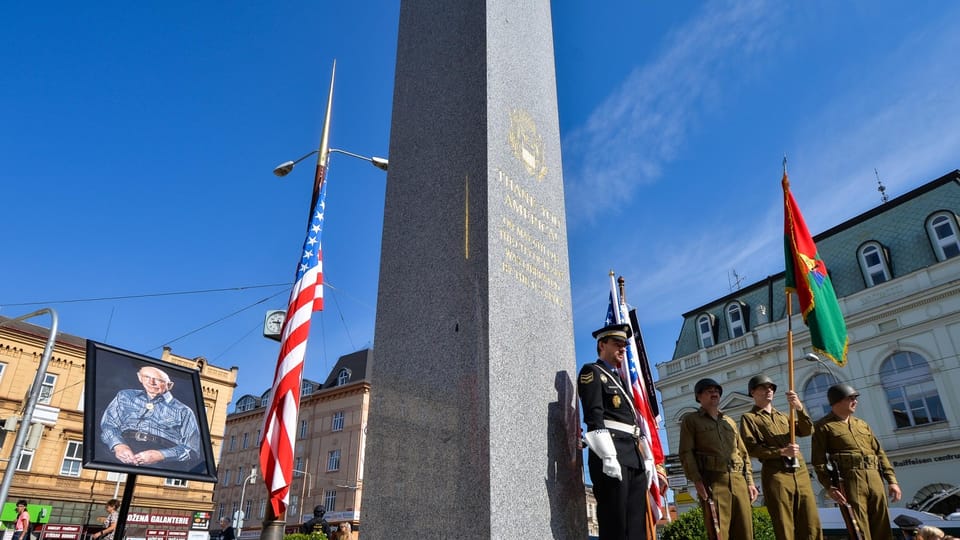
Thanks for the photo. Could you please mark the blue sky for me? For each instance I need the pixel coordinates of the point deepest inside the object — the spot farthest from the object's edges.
(137, 142)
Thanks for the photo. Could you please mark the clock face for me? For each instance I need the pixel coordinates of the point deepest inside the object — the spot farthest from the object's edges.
(273, 323)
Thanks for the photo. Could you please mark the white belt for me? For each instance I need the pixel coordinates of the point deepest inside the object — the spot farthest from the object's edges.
(633, 431)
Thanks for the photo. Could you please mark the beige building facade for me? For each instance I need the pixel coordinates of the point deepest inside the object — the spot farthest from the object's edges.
(52, 475)
(329, 451)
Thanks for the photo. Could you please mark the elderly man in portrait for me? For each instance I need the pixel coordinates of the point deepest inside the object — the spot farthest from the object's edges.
(150, 426)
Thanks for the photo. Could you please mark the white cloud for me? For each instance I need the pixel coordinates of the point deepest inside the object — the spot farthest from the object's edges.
(645, 122)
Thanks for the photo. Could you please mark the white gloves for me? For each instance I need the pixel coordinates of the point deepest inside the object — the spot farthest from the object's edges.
(601, 443)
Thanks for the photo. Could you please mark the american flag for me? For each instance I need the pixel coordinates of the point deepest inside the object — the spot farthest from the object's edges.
(653, 451)
(279, 424)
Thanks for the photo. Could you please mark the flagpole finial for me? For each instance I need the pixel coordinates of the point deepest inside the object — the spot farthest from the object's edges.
(611, 272)
(785, 182)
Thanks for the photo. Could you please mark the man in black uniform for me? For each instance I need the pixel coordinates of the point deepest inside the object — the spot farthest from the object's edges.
(317, 524)
(616, 466)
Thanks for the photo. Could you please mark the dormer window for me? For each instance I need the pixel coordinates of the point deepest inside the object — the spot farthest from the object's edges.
(706, 324)
(874, 263)
(736, 322)
(343, 377)
(246, 403)
(942, 230)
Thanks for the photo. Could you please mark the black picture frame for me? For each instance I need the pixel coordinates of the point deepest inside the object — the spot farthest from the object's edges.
(111, 371)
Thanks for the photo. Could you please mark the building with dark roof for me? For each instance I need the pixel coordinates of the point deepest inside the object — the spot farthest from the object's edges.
(896, 272)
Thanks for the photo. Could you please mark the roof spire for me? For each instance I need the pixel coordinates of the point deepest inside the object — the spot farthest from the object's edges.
(880, 187)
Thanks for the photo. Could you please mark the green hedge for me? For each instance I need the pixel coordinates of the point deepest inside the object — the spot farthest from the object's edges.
(689, 526)
(301, 536)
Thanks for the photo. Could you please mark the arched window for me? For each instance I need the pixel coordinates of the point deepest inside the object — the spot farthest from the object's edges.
(736, 319)
(307, 387)
(246, 403)
(942, 230)
(941, 498)
(343, 377)
(874, 263)
(911, 390)
(706, 330)
(815, 394)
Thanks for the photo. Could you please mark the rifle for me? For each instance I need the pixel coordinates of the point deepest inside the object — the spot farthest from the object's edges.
(711, 517)
(845, 509)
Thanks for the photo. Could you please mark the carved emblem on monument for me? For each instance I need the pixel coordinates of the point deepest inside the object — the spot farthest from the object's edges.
(527, 144)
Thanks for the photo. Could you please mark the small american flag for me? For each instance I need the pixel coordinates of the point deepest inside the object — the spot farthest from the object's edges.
(279, 424)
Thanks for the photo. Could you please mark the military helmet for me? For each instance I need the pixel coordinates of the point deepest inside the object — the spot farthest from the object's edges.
(757, 380)
(838, 392)
(319, 510)
(703, 384)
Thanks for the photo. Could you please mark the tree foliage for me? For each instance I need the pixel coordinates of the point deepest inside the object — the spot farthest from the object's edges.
(689, 526)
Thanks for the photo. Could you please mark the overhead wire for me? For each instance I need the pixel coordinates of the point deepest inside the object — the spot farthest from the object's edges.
(221, 319)
(146, 295)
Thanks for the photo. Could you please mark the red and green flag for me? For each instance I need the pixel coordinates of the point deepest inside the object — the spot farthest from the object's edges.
(806, 274)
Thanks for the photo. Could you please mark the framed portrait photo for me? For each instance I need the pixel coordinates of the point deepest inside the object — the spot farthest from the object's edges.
(143, 416)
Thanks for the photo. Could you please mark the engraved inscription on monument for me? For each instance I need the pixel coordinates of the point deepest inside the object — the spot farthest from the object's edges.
(529, 232)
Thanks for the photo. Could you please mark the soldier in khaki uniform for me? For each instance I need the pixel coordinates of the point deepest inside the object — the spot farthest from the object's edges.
(714, 457)
(850, 443)
(787, 492)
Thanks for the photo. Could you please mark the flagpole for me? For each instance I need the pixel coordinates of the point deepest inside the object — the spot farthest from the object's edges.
(651, 522)
(793, 434)
(274, 523)
(323, 151)
(790, 381)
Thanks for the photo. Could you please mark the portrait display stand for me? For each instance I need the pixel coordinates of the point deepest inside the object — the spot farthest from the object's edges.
(143, 416)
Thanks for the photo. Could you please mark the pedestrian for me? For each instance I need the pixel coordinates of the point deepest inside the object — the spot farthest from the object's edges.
(715, 459)
(617, 468)
(109, 524)
(929, 532)
(317, 523)
(150, 426)
(21, 526)
(226, 529)
(849, 444)
(342, 532)
(787, 492)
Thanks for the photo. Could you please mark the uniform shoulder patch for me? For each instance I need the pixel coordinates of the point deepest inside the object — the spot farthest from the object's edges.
(586, 377)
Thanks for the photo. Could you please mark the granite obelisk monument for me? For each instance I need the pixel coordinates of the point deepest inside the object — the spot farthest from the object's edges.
(473, 420)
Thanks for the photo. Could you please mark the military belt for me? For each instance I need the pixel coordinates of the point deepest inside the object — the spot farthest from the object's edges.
(855, 461)
(718, 464)
(633, 431)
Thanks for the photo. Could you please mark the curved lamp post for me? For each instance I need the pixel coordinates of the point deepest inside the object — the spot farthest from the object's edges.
(252, 479)
(284, 168)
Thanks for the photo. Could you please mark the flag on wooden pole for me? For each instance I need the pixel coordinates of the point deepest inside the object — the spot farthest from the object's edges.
(806, 274)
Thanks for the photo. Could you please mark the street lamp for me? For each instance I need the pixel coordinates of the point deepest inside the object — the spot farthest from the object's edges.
(239, 517)
(284, 168)
(303, 485)
(810, 357)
